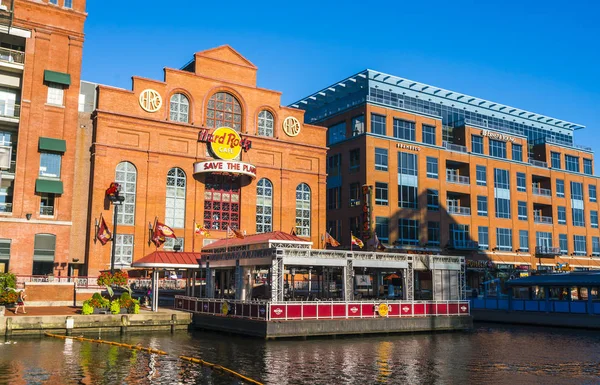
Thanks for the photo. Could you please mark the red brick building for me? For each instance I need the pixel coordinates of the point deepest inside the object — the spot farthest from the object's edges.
(40, 62)
(152, 140)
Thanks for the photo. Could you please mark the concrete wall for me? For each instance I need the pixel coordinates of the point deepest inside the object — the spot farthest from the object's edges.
(306, 328)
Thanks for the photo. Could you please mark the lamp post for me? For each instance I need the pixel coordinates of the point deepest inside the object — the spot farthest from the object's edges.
(114, 196)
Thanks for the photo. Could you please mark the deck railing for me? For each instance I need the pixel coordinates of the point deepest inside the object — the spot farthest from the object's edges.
(313, 310)
(92, 282)
(12, 56)
(541, 191)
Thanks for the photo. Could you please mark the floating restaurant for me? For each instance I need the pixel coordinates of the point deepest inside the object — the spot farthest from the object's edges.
(274, 277)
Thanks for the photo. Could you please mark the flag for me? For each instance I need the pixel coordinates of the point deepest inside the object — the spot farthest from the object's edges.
(161, 232)
(164, 230)
(103, 233)
(357, 241)
(200, 229)
(329, 239)
(293, 231)
(376, 243)
(234, 233)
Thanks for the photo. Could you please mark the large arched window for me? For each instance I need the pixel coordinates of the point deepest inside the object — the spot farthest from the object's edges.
(224, 111)
(179, 108)
(303, 210)
(175, 203)
(265, 123)
(126, 177)
(264, 206)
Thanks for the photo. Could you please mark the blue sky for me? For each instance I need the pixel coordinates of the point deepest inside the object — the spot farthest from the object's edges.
(541, 56)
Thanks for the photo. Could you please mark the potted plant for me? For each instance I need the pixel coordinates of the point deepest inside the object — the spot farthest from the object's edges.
(97, 303)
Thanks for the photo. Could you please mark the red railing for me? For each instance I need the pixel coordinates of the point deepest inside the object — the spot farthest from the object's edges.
(323, 310)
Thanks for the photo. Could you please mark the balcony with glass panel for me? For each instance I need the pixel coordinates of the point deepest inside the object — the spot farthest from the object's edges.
(541, 186)
(12, 59)
(547, 251)
(457, 173)
(458, 204)
(542, 214)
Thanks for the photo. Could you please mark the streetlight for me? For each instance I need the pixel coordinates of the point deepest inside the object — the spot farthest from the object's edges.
(113, 193)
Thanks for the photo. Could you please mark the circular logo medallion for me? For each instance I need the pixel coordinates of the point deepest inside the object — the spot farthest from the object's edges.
(225, 308)
(291, 126)
(383, 309)
(226, 144)
(150, 100)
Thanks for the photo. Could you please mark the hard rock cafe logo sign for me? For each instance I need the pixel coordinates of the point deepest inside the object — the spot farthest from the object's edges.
(498, 136)
(150, 100)
(277, 311)
(291, 126)
(225, 143)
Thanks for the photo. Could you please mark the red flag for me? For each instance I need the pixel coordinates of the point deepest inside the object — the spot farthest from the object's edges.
(103, 233)
(234, 233)
(329, 239)
(161, 231)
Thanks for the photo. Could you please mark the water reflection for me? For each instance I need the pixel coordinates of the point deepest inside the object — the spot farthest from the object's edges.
(499, 355)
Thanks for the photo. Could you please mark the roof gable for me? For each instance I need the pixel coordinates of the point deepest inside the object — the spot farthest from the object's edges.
(228, 54)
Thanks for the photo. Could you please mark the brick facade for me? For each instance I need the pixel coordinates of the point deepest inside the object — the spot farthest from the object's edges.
(153, 144)
(54, 43)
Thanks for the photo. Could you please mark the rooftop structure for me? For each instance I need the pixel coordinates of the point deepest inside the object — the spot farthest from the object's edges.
(453, 108)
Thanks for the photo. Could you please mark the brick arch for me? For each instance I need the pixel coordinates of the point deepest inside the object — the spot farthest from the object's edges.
(275, 119)
(236, 94)
(192, 103)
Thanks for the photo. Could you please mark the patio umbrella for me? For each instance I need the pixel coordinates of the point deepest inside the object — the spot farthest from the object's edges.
(391, 276)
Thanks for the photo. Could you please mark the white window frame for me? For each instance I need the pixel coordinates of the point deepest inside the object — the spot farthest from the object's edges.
(126, 177)
(266, 124)
(303, 200)
(264, 206)
(56, 93)
(123, 250)
(175, 198)
(179, 108)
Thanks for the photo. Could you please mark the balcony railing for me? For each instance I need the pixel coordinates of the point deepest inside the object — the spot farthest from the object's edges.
(459, 210)
(547, 251)
(5, 207)
(542, 219)
(454, 147)
(538, 163)
(553, 140)
(9, 109)
(455, 178)
(47, 210)
(464, 245)
(542, 191)
(12, 56)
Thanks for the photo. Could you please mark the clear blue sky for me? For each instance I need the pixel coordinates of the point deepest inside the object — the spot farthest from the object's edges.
(541, 56)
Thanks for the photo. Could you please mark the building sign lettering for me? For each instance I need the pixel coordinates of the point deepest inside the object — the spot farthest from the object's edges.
(150, 100)
(498, 136)
(408, 147)
(225, 167)
(225, 143)
(367, 192)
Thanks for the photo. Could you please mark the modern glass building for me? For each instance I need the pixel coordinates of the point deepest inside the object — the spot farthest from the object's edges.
(508, 188)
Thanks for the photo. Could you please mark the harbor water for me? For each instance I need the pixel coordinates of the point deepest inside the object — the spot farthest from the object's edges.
(490, 354)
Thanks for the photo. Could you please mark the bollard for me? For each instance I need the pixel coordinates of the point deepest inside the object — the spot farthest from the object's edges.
(2, 321)
(8, 327)
(69, 323)
(124, 324)
(173, 322)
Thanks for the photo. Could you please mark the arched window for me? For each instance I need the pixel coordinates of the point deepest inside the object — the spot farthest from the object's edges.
(265, 123)
(303, 210)
(224, 111)
(126, 177)
(179, 108)
(264, 206)
(175, 204)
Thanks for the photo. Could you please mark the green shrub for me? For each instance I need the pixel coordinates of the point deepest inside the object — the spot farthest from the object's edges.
(7, 280)
(98, 301)
(125, 296)
(87, 309)
(115, 307)
(134, 308)
(8, 296)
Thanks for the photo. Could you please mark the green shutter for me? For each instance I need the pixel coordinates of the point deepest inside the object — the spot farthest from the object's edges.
(57, 77)
(51, 144)
(48, 186)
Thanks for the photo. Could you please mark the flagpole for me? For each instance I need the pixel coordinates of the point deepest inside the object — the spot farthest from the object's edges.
(193, 236)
